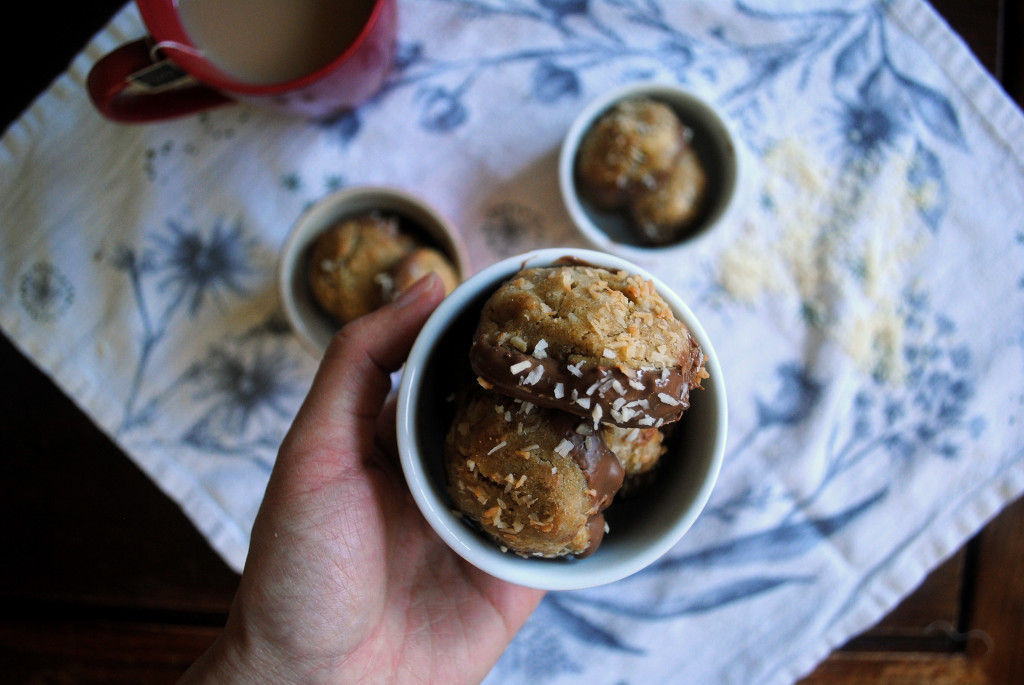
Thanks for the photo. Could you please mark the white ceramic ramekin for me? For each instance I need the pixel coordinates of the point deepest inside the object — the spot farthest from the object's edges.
(641, 529)
(313, 326)
(714, 142)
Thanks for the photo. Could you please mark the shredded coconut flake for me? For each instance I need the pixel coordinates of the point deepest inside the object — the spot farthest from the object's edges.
(498, 447)
(564, 448)
(534, 376)
(520, 367)
(559, 391)
(827, 223)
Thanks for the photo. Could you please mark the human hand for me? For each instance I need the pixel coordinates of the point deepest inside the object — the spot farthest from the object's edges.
(345, 581)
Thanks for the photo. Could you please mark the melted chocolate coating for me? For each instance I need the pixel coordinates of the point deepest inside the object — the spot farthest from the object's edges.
(599, 464)
(650, 397)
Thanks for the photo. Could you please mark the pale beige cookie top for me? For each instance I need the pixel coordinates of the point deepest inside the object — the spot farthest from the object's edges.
(586, 313)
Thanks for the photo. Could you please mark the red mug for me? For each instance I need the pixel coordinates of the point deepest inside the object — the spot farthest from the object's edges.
(169, 73)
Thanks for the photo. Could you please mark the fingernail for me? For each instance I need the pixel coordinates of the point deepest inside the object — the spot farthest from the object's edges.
(416, 290)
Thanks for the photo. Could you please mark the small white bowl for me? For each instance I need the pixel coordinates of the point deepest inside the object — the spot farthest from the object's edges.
(313, 325)
(713, 140)
(641, 529)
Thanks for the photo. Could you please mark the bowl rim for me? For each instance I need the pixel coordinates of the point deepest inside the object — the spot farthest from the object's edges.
(670, 93)
(329, 208)
(484, 554)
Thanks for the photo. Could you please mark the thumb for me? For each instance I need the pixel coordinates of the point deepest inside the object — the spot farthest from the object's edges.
(354, 379)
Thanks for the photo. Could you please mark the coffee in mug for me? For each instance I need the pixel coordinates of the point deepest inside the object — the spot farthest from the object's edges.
(272, 41)
(314, 58)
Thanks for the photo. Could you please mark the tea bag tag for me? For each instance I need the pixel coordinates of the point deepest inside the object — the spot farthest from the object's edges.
(163, 76)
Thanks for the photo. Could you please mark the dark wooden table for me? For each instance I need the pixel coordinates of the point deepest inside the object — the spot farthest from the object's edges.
(104, 580)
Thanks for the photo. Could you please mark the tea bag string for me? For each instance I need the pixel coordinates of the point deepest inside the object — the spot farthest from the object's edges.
(154, 52)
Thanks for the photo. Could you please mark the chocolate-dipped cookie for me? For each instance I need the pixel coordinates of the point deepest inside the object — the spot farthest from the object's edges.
(535, 480)
(599, 344)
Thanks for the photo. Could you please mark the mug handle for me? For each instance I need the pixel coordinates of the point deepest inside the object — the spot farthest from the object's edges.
(129, 85)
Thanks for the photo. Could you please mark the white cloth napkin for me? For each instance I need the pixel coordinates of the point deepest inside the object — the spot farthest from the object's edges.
(865, 305)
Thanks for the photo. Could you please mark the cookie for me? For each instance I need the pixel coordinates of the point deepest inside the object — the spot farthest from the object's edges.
(639, 451)
(535, 480)
(665, 212)
(416, 265)
(599, 344)
(631, 145)
(346, 261)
